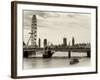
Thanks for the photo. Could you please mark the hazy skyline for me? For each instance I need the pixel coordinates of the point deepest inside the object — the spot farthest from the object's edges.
(56, 25)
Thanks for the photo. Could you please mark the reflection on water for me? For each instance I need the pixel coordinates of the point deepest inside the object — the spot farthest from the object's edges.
(59, 59)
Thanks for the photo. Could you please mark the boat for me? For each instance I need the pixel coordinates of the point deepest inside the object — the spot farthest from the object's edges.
(48, 53)
(74, 61)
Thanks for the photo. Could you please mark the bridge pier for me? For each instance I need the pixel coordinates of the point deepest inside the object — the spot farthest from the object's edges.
(88, 54)
(26, 54)
(69, 54)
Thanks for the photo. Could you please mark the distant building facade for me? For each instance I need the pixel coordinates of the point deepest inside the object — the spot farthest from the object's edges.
(39, 43)
(73, 41)
(64, 41)
(45, 42)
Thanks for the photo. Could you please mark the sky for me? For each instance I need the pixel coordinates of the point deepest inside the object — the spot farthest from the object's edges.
(54, 26)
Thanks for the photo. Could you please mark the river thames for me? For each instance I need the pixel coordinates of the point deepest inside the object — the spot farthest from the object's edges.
(58, 60)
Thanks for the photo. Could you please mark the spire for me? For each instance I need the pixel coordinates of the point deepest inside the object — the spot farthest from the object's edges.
(73, 41)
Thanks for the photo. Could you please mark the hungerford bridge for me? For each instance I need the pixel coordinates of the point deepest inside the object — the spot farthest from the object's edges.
(33, 49)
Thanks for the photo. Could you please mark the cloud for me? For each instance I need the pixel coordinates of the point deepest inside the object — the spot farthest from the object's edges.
(55, 25)
(48, 19)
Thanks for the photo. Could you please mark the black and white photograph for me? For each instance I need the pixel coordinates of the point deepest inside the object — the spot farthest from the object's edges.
(53, 39)
(56, 39)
